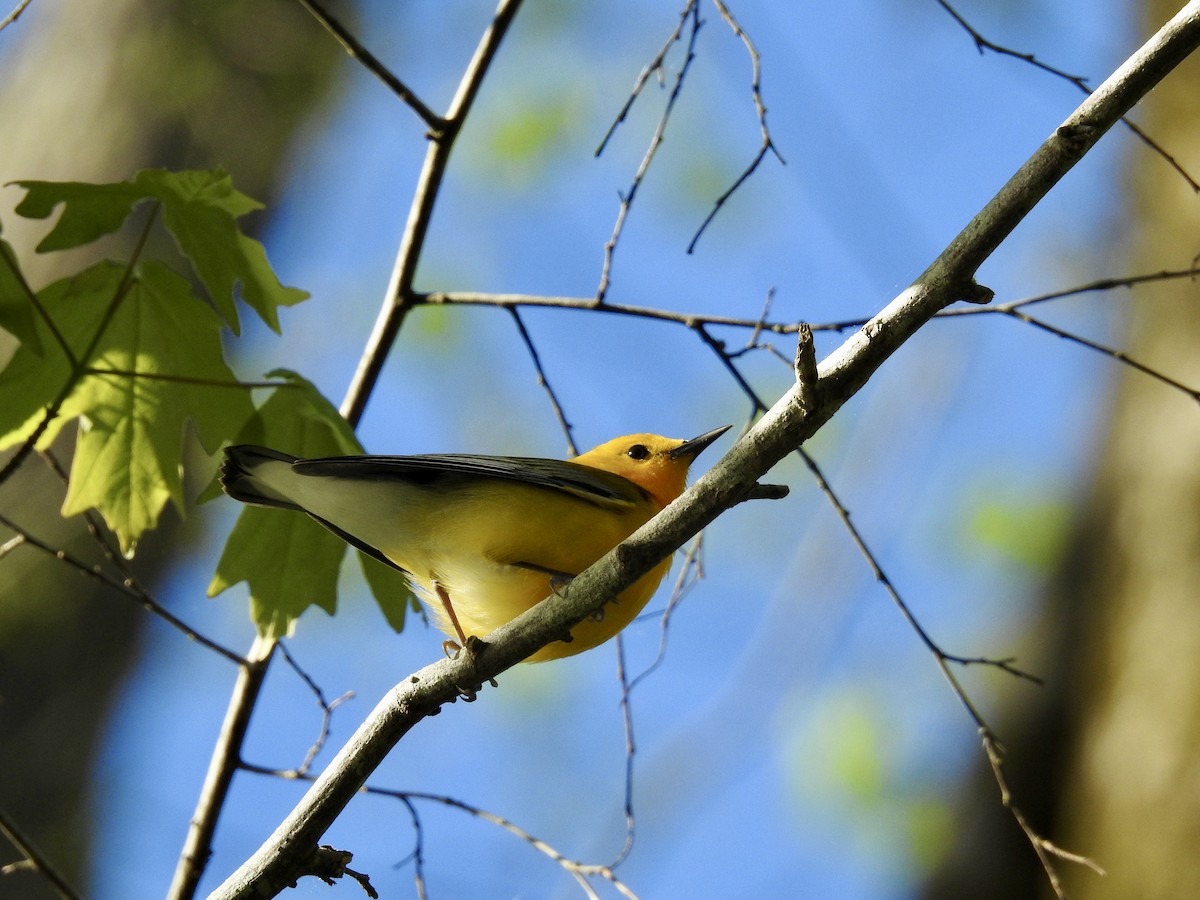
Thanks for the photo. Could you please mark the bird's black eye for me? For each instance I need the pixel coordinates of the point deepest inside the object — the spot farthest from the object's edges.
(638, 451)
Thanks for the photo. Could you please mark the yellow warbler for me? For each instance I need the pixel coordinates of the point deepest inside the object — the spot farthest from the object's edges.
(484, 538)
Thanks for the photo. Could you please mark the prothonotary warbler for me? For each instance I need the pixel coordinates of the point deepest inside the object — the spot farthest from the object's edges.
(484, 538)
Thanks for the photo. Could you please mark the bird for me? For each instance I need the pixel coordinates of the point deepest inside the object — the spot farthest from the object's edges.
(481, 539)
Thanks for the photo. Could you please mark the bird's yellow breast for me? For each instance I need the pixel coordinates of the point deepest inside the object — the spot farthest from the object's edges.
(494, 548)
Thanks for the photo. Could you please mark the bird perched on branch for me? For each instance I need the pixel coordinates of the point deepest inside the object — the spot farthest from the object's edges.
(484, 538)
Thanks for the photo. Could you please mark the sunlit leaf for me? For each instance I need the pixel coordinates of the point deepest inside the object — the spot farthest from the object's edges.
(32, 384)
(200, 210)
(89, 212)
(163, 348)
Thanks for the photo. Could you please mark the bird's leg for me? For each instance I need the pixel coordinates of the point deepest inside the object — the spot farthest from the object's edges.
(450, 648)
(558, 581)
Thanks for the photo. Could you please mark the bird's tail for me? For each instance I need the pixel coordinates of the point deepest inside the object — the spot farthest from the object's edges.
(250, 474)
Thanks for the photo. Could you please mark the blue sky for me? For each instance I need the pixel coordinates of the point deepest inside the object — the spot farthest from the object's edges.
(797, 738)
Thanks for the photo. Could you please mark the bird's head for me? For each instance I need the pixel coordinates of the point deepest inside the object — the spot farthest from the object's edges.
(657, 464)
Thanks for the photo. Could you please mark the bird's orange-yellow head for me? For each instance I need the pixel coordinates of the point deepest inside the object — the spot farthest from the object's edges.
(656, 464)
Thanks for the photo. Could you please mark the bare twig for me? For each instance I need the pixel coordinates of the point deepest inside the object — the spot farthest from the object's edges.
(33, 859)
(654, 67)
(544, 381)
(123, 586)
(327, 708)
(1100, 284)
(372, 64)
(690, 572)
(577, 869)
(1119, 355)
(656, 140)
(1014, 309)
(398, 299)
(418, 853)
(767, 145)
(762, 324)
(630, 753)
(982, 44)
(476, 298)
(1045, 849)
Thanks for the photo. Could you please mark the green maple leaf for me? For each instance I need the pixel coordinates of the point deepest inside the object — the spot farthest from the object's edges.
(147, 358)
(200, 210)
(33, 386)
(287, 559)
(90, 211)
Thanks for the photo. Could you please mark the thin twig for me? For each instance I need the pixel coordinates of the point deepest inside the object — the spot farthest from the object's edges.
(544, 382)
(630, 753)
(478, 298)
(656, 140)
(327, 708)
(1119, 355)
(1043, 847)
(654, 67)
(982, 44)
(123, 586)
(1100, 284)
(767, 145)
(761, 324)
(34, 859)
(580, 870)
(372, 64)
(690, 573)
(418, 854)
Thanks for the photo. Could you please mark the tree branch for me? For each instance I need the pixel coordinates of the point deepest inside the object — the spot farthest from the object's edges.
(221, 767)
(781, 430)
(398, 299)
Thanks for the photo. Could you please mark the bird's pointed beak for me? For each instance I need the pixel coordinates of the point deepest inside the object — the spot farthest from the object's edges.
(691, 449)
